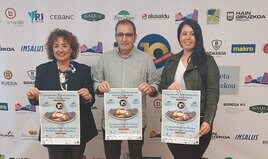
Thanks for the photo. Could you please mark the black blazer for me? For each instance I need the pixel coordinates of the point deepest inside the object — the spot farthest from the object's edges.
(47, 78)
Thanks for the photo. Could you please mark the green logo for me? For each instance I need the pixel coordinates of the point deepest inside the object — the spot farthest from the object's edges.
(259, 108)
(92, 16)
(123, 14)
(213, 16)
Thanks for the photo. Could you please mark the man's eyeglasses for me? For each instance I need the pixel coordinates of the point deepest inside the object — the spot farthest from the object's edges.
(127, 35)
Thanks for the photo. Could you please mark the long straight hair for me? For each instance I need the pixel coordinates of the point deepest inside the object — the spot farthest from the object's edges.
(198, 57)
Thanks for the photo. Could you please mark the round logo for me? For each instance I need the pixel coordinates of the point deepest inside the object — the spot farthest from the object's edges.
(265, 48)
(59, 106)
(157, 47)
(180, 105)
(10, 13)
(157, 103)
(8, 74)
(123, 102)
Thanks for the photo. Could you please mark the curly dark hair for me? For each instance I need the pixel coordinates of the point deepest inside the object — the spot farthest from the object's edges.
(70, 38)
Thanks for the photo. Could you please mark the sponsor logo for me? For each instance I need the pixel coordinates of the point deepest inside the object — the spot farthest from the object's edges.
(61, 17)
(30, 135)
(216, 44)
(213, 16)
(123, 14)
(11, 14)
(36, 17)
(179, 17)
(259, 80)
(8, 75)
(6, 49)
(243, 16)
(265, 48)
(259, 108)
(229, 79)
(93, 16)
(32, 48)
(157, 47)
(18, 158)
(220, 137)
(243, 48)
(31, 74)
(234, 108)
(265, 142)
(2, 156)
(151, 16)
(96, 49)
(9, 134)
(246, 137)
(27, 108)
(4, 106)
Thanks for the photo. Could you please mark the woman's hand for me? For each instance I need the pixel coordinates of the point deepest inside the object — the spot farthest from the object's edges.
(84, 93)
(33, 93)
(174, 86)
(205, 128)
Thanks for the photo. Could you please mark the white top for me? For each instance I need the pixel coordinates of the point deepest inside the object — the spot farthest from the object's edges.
(179, 75)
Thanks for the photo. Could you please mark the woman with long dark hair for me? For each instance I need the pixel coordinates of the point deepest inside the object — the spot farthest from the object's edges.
(193, 69)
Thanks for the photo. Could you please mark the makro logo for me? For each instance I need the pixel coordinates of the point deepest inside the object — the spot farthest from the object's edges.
(246, 137)
(4, 106)
(213, 16)
(123, 14)
(93, 16)
(61, 17)
(157, 47)
(36, 17)
(259, 108)
(243, 48)
(32, 48)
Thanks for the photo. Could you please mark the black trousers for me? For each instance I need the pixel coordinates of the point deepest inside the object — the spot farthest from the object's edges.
(66, 151)
(112, 148)
(181, 151)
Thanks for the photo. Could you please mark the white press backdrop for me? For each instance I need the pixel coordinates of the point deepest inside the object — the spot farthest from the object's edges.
(235, 33)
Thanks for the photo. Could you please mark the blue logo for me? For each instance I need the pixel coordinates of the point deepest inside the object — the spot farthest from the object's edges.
(243, 48)
(157, 47)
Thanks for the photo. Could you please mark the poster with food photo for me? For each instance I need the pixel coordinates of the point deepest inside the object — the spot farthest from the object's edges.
(59, 117)
(123, 114)
(180, 116)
